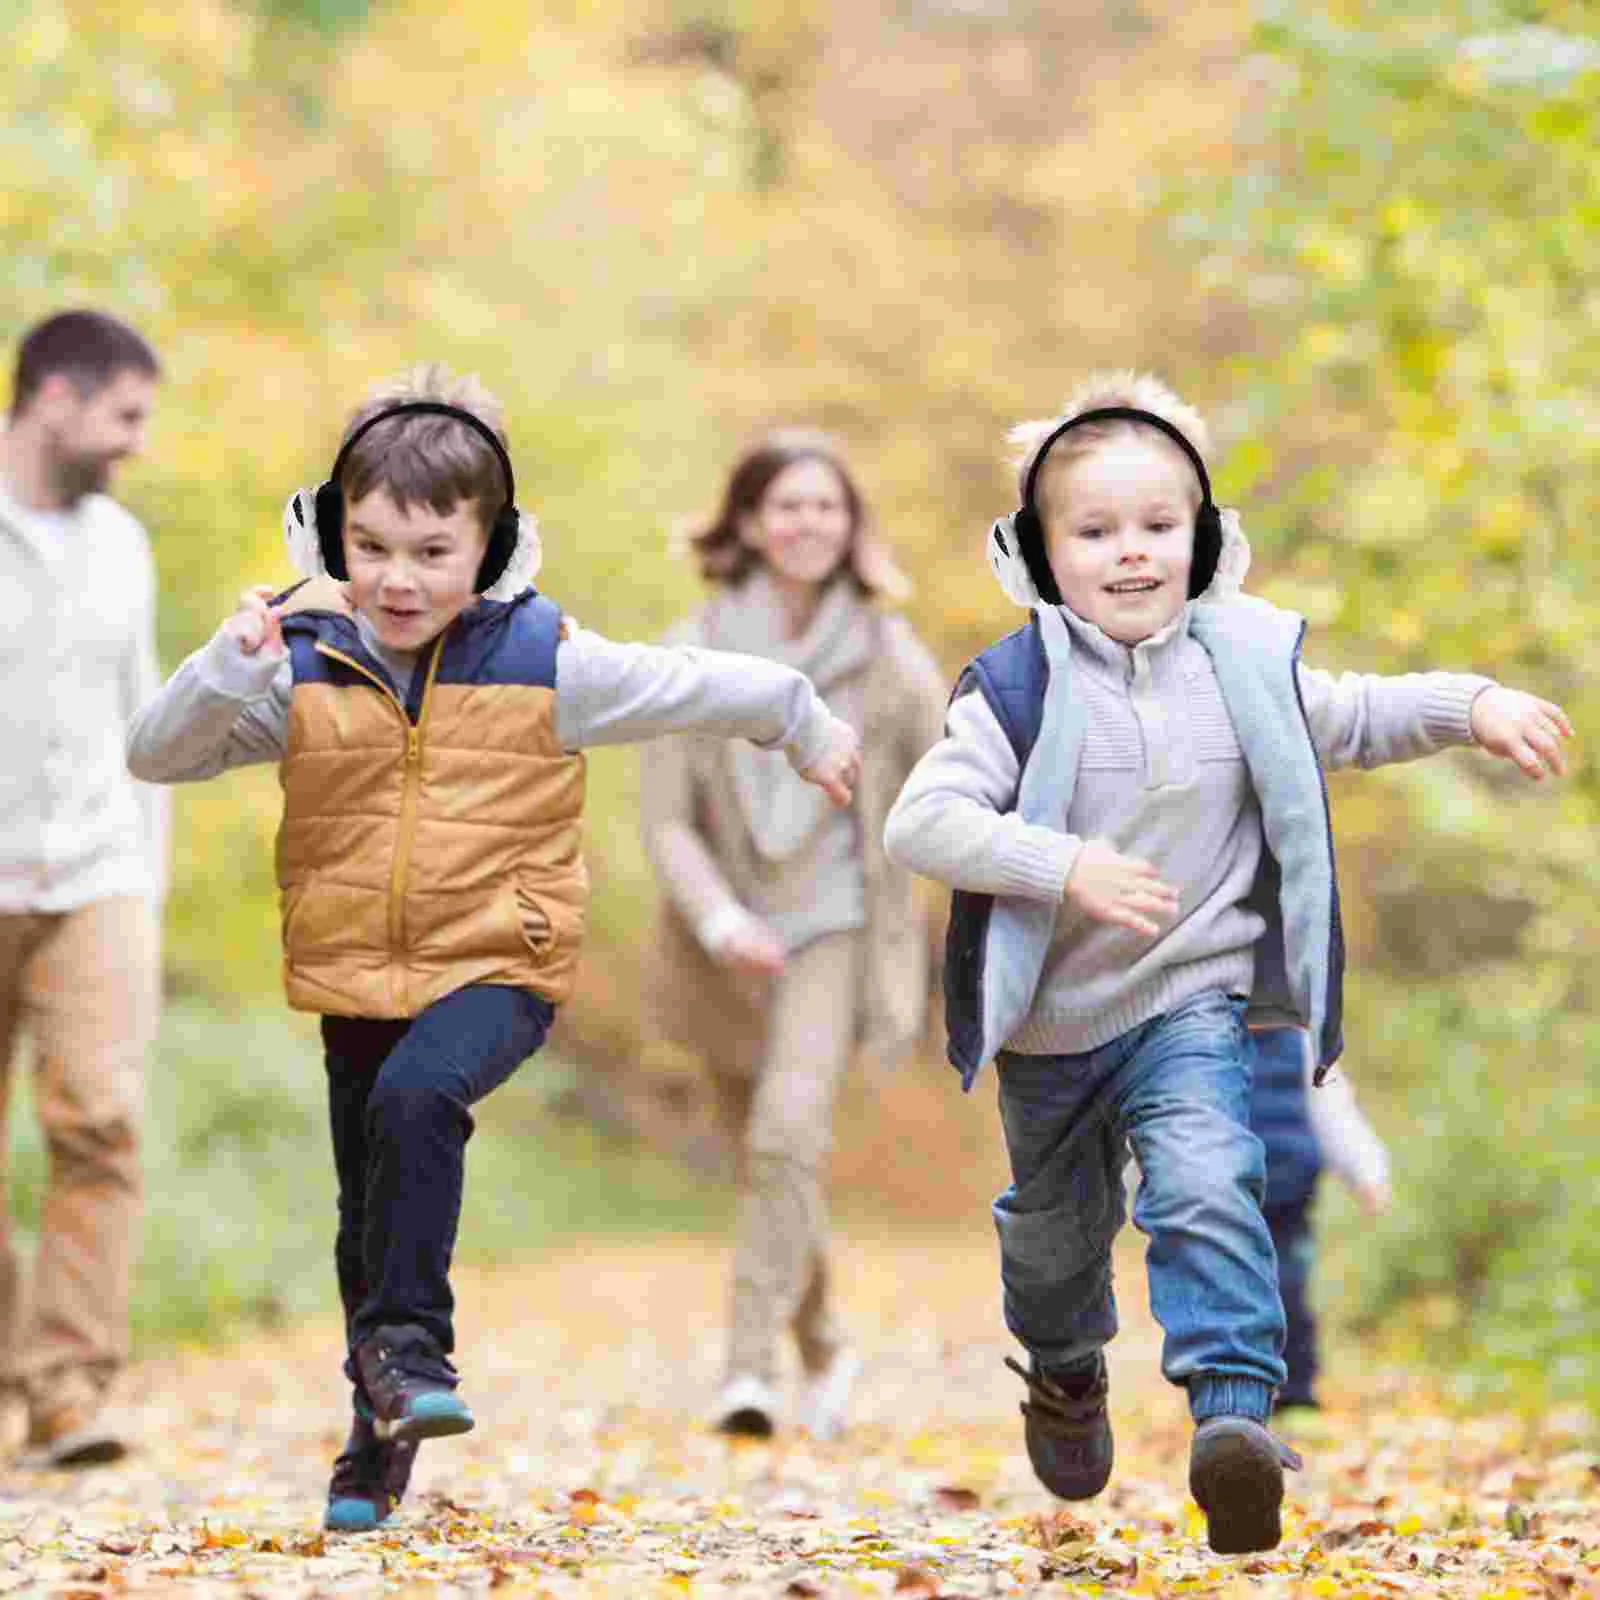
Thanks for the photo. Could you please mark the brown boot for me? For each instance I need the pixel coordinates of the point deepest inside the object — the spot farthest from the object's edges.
(1067, 1430)
(1236, 1477)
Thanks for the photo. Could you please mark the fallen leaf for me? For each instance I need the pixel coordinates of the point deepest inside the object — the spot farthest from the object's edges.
(1555, 1583)
(1519, 1524)
(952, 1497)
(1058, 1531)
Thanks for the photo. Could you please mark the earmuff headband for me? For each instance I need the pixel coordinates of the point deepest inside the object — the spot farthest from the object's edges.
(1025, 521)
(1118, 414)
(437, 408)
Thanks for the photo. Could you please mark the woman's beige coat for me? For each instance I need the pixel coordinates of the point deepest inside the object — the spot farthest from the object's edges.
(696, 838)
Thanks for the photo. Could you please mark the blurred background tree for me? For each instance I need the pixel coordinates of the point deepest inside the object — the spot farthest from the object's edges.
(1410, 222)
(1362, 234)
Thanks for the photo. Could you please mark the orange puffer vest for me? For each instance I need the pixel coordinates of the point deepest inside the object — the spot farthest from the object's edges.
(430, 840)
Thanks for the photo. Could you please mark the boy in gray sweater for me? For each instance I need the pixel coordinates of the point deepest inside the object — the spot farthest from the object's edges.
(1128, 803)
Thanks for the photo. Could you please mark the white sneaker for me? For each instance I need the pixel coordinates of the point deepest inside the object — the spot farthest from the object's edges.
(748, 1407)
(827, 1394)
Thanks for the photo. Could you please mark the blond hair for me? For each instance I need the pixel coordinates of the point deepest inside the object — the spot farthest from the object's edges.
(1140, 390)
(435, 461)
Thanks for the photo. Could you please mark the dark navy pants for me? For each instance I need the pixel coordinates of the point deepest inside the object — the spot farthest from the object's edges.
(1281, 1117)
(1291, 1238)
(399, 1094)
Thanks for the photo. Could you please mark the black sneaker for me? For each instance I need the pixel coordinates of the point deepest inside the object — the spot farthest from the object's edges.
(1236, 1477)
(411, 1385)
(1067, 1430)
(369, 1477)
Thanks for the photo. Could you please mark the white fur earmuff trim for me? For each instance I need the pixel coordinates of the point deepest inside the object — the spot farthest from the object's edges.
(526, 559)
(1011, 571)
(1233, 561)
(300, 533)
(1006, 563)
(305, 552)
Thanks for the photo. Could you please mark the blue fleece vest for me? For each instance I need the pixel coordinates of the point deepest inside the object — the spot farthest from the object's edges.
(492, 642)
(996, 945)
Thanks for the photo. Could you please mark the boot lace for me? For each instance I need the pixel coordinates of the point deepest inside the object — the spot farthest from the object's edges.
(1053, 1403)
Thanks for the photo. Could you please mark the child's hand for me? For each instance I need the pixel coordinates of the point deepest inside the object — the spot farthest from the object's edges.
(255, 626)
(1374, 1198)
(752, 947)
(836, 772)
(1522, 728)
(1119, 889)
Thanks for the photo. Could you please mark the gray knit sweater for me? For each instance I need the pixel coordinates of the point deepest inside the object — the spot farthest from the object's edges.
(1162, 778)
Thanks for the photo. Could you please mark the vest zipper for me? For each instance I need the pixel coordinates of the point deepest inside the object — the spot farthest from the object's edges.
(410, 784)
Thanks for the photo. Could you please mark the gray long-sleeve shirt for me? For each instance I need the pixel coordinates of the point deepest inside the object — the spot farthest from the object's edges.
(224, 709)
(1162, 778)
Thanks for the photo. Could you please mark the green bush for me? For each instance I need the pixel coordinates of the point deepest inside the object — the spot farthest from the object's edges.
(1489, 1259)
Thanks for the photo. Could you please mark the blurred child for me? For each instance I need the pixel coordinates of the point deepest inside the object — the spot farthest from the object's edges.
(1304, 1127)
(1129, 804)
(784, 920)
(427, 707)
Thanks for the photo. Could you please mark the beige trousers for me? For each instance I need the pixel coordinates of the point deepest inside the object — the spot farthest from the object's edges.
(778, 1112)
(83, 985)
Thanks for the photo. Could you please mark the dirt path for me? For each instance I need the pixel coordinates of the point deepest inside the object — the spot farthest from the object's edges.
(590, 1473)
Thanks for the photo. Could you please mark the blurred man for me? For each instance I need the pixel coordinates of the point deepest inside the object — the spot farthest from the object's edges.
(82, 853)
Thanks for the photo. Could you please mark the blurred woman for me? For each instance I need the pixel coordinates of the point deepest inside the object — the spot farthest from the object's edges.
(787, 938)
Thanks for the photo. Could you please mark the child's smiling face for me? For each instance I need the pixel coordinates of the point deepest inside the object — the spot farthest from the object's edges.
(411, 571)
(1119, 532)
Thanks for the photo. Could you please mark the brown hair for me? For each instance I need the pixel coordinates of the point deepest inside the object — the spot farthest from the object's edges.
(89, 348)
(725, 558)
(430, 460)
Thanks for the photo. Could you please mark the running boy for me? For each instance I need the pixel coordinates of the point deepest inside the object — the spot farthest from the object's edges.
(1128, 803)
(427, 707)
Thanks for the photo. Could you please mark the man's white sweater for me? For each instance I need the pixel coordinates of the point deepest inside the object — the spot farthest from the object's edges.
(77, 658)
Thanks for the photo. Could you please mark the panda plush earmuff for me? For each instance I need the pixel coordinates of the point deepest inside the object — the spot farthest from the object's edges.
(313, 520)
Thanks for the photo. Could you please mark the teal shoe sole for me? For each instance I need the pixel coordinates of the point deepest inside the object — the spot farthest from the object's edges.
(436, 1415)
(351, 1515)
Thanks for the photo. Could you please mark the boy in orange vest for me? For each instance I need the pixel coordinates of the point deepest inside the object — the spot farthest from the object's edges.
(428, 708)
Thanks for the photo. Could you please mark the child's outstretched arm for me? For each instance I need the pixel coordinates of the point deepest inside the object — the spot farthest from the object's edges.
(1523, 728)
(1348, 1142)
(226, 706)
(1365, 720)
(610, 693)
(954, 822)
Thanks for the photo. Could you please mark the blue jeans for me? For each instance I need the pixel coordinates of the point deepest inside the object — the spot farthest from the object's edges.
(1177, 1088)
(398, 1098)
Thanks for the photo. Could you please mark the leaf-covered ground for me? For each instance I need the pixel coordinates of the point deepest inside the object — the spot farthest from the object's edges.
(591, 1473)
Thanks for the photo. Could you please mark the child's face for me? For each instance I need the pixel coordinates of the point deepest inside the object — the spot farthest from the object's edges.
(1119, 532)
(411, 571)
(802, 527)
